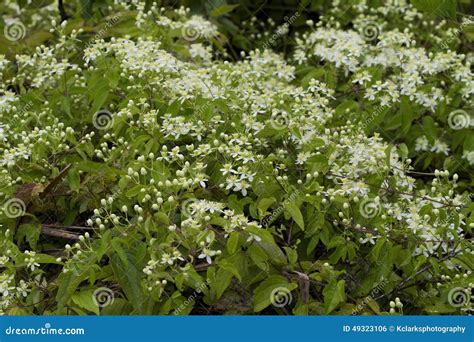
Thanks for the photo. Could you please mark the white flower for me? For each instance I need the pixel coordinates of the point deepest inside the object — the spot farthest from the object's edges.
(207, 254)
(3, 261)
(362, 78)
(3, 130)
(422, 144)
(254, 237)
(167, 259)
(31, 261)
(232, 181)
(200, 178)
(6, 100)
(227, 168)
(469, 156)
(370, 94)
(302, 157)
(200, 51)
(440, 147)
(368, 238)
(242, 186)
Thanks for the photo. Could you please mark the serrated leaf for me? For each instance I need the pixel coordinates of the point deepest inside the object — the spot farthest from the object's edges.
(74, 179)
(30, 232)
(85, 299)
(128, 271)
(68, 283)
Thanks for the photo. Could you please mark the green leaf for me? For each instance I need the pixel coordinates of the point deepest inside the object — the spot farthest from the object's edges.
(68, 283)
(295, 214)
(371, 303)
(262, 233)
(85, 299)
(264, 204)
(220, 283)
(100, 96)
(443, 8)
(403, 149)
(223, 10)
(333, 294)
(267, 243)
(86, 6)
(348, 106)
(263, 293)
(31, 232)
(46, 259)
(128, 270)
(259, 257)
(292, 255)
(429, 127)
(232, 267)
(66, 105)
(233, 242)
(74, 179)
(134, 191)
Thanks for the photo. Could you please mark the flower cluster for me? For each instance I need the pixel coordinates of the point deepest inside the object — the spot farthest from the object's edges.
(165, 165)
(388, 67)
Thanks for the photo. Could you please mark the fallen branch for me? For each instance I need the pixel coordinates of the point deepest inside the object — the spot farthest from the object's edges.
(67, 227)
(59, 233)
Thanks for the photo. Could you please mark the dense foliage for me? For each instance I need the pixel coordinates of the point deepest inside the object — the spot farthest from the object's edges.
(160, 161)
